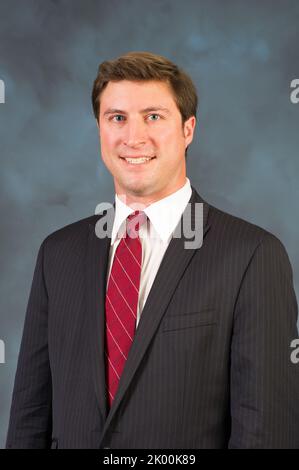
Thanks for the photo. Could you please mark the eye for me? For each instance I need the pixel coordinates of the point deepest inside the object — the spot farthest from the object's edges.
(117, 116)
(156, 115)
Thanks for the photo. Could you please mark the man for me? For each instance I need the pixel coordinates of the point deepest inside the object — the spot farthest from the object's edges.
(133, 340)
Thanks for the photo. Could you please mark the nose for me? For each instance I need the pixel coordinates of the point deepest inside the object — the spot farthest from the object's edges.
(135, 134)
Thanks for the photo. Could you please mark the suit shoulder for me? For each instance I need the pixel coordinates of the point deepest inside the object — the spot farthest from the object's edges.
(239, 230)
(72, 234)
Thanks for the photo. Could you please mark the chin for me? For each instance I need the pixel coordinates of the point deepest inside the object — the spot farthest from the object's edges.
(138, 188)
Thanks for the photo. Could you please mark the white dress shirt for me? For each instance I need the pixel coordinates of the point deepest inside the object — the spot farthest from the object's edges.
(163, 217)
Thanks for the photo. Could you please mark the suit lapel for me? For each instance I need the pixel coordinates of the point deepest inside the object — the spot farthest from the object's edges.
(96, 270)
(175, 261)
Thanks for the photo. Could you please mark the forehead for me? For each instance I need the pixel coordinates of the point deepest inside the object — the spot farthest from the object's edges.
(135, 94)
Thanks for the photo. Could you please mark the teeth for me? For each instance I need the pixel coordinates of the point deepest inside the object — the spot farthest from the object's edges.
(136, 161)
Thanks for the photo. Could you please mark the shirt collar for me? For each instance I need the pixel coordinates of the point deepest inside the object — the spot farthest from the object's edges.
(164, 214)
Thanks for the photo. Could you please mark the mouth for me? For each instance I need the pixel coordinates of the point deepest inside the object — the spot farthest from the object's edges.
(135, 161)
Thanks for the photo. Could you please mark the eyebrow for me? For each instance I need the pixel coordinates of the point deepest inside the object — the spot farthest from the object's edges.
(145, 110)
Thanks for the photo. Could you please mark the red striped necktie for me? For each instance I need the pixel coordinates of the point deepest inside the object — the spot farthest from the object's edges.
(122, 301)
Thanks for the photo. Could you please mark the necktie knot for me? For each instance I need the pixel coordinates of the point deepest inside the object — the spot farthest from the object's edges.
(134, 222)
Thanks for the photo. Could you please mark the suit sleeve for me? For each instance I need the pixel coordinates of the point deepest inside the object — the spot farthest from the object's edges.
(264, 381)
(31, 411)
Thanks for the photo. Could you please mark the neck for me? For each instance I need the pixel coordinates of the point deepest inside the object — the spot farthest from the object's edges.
(136, 201)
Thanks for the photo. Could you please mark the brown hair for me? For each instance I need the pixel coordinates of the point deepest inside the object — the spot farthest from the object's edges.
(137, 66)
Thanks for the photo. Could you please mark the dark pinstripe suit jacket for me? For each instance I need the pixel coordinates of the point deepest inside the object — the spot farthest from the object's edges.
(210, 363)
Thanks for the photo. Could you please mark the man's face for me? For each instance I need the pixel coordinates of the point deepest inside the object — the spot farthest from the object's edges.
(137, 121)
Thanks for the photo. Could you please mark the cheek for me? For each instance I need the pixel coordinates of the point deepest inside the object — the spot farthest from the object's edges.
(172, 146)
(164, 138)
(107, 138)
(171, 137)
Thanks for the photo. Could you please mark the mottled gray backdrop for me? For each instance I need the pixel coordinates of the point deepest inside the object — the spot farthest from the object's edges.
(242, 56)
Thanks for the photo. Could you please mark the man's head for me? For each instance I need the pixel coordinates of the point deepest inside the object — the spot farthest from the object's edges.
(145, 106)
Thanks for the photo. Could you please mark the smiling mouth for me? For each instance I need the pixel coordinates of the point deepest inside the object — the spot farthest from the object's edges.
(137, 160)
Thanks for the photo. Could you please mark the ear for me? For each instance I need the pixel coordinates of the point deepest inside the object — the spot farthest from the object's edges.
(189, 128)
